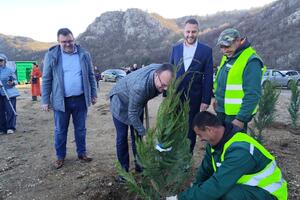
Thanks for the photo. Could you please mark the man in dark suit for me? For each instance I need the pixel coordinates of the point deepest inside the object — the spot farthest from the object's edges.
(127, 101)
(194, 60)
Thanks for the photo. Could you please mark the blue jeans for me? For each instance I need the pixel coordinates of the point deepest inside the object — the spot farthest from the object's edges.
(7, 116)
(122, 144)
(76, 107)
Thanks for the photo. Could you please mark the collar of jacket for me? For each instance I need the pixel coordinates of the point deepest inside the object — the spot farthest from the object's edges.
(55, 52)
(230, 130)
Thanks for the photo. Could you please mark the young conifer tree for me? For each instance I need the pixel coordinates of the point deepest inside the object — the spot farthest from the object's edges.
(164, 153)
(266, 110)
(294, 104)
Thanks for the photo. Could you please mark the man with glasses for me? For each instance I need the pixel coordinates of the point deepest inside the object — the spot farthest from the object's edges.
(69, 85)
(127, 101)
(237, 85)
(194, 61)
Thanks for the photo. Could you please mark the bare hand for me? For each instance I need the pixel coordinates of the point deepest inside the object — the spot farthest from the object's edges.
(94, 100)
(45, 107)
(238, 123)
(204, 107)
(10, 83)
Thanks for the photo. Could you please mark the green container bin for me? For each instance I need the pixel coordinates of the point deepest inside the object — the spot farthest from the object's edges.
(23, 71)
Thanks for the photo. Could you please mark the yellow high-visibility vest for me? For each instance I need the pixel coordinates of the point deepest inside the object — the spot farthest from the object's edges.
(234, 85)
(269, 178)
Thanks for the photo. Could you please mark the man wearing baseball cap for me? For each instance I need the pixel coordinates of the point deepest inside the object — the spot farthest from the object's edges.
(237, 86)
(8, 94)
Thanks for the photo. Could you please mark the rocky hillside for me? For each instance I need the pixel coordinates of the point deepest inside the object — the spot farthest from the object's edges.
(22, 48)
(120, 38)
(274, 32)
(117, 38)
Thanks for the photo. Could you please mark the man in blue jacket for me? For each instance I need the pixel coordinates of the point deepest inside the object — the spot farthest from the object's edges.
(193, 60)
(69, 85)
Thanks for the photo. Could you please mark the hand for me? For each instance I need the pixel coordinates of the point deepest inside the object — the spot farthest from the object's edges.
(238, 123)
(203, 107)
(45, 107)
(10, 83)
(172, 198)
(214, 104)
(94, 100)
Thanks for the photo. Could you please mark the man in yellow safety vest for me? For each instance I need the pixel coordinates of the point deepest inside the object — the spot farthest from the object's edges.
(237, 86)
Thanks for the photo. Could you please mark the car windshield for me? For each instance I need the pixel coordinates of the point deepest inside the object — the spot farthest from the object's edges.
(267, 73)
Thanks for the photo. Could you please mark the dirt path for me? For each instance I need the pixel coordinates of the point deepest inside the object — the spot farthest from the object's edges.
(26, 157)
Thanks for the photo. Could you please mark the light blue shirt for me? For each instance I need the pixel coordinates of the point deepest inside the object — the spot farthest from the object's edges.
(72, 74)
(188, 54)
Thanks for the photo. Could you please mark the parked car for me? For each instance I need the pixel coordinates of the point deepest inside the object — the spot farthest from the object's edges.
(292, 75)
(275, 77)
(112, 75)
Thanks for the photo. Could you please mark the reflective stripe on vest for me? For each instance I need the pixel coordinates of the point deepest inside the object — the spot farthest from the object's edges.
(234, 85)
(269, 179)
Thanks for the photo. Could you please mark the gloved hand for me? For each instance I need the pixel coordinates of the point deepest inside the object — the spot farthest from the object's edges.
(172, 198)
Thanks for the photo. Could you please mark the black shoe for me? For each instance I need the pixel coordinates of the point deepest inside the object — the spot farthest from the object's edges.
(119, 179)
(85, 158)
(59, 163)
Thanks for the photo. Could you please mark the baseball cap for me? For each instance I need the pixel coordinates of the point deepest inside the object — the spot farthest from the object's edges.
(228, 36)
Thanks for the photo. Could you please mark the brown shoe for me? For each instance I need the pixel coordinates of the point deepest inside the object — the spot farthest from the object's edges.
(58, 164)
(85, 158)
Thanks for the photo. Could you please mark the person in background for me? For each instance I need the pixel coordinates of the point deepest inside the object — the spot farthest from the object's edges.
(97, 75)
(35, 76)
(237, 85)
(8, 82)
(194, 61)
(127, 101)
(235, 166)
(69, 85)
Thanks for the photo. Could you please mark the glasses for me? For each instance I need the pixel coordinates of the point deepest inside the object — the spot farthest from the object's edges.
(163, 85)
(67, 42)
(1, 60)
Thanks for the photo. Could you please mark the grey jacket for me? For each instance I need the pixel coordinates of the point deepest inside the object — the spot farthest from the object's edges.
(130, 95)
(53, 83)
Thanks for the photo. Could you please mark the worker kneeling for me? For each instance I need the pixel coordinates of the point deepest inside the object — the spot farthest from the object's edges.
(235, 165)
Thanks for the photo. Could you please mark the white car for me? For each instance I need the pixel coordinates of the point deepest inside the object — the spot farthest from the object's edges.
(292, 75)
(275, 77)
(112, 75)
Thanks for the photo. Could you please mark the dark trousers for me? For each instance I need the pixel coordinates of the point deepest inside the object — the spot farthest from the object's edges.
(7, 116)
(76, 107)
(192, 134)
(122, 144)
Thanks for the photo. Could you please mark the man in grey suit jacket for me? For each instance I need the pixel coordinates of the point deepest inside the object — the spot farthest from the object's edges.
(127, 101)
(69, 85)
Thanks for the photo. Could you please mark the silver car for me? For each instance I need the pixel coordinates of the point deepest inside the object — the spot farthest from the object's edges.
(112, 75)
(292, 75)
(275, 77)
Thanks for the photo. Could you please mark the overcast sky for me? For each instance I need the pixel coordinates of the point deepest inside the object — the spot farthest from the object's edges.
(40, 19)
